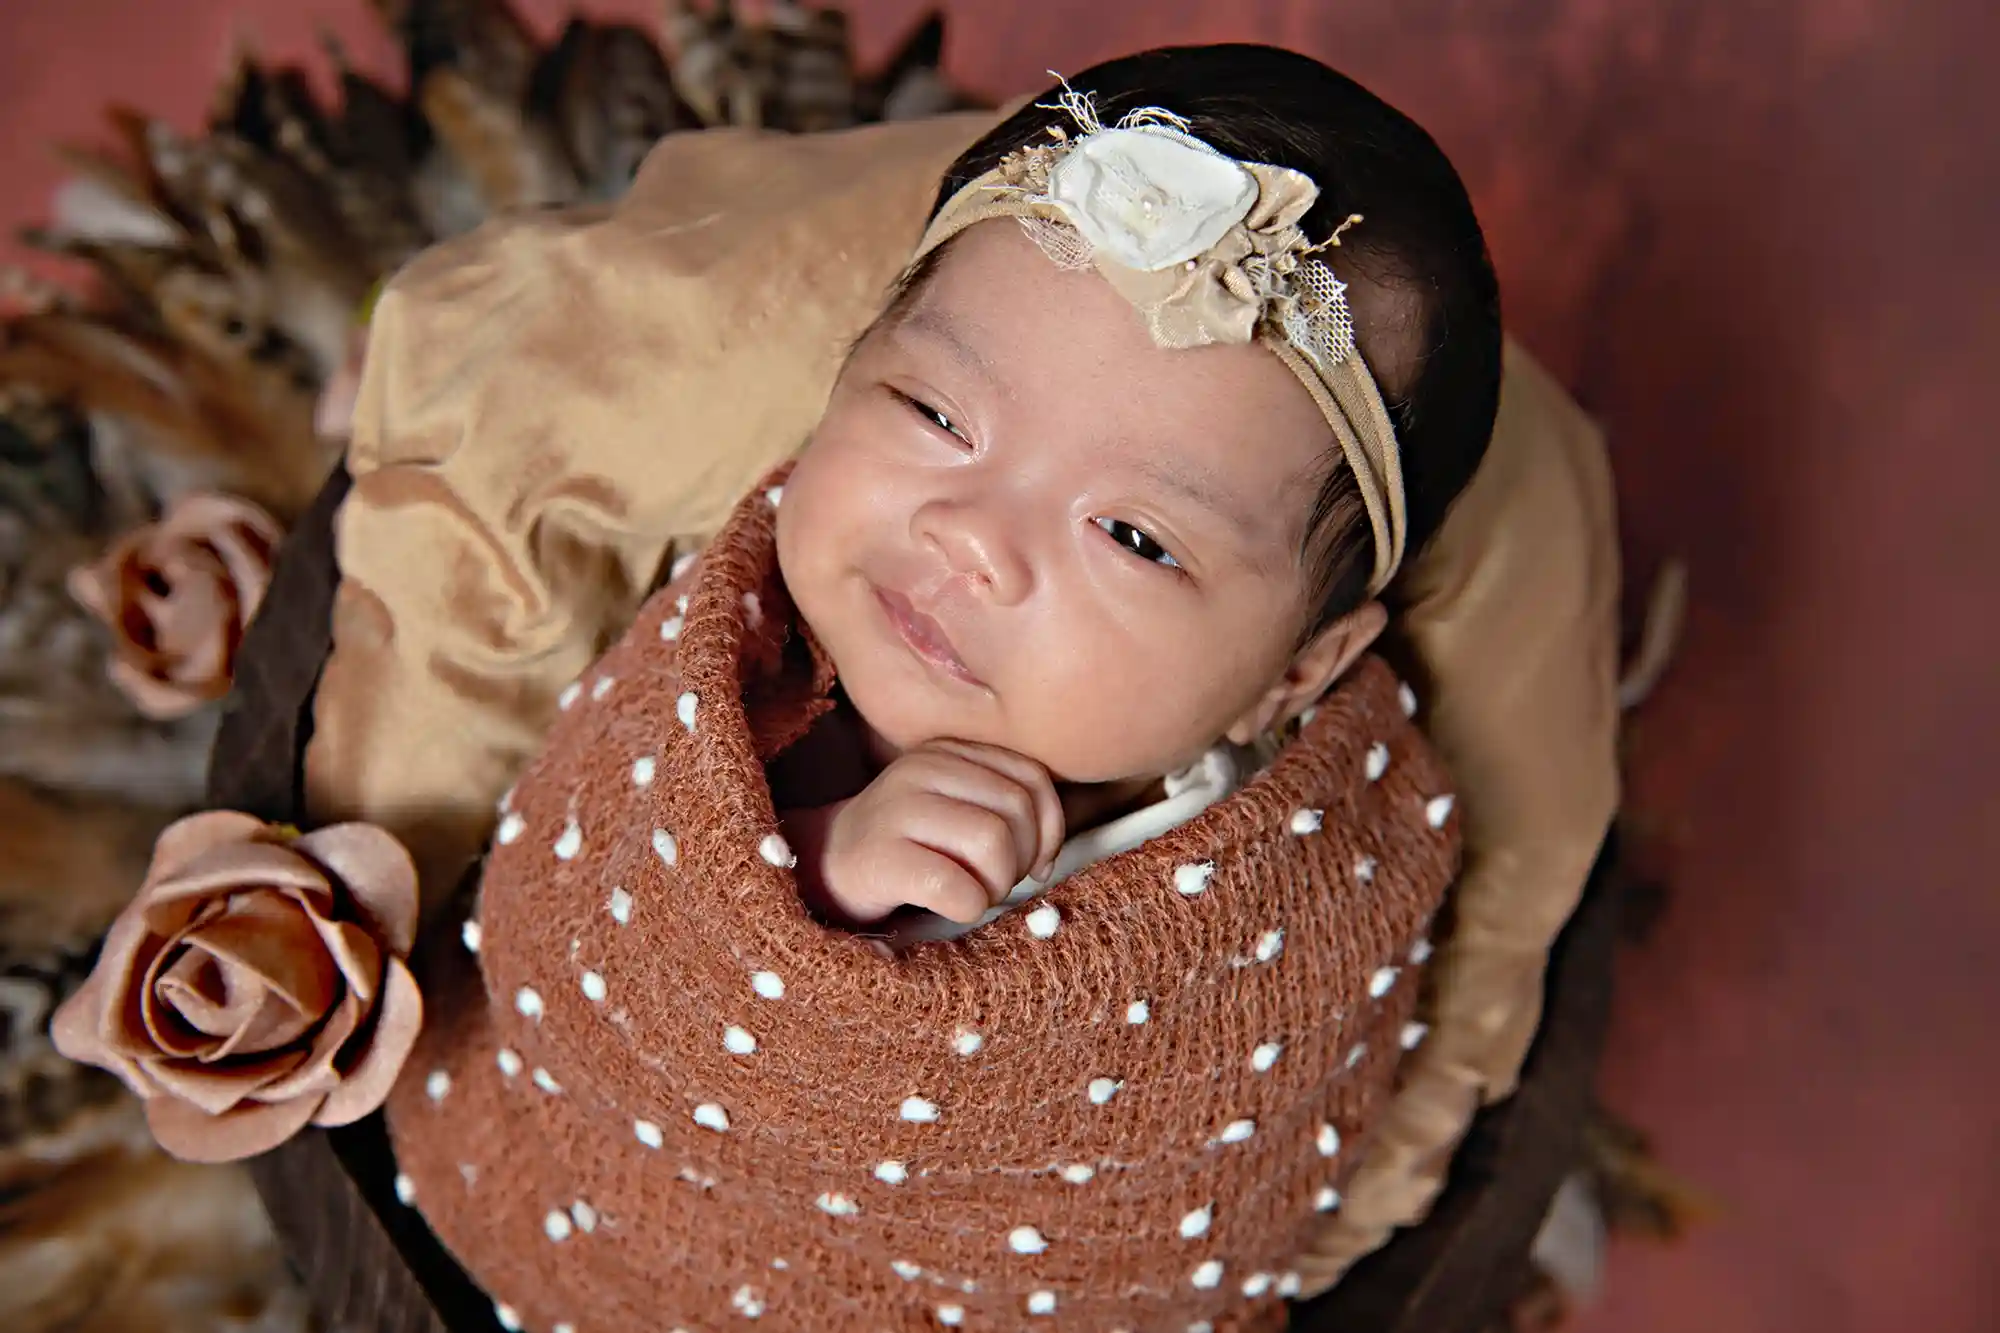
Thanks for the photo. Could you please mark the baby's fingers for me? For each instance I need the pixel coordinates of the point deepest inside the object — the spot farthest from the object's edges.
(936, 882)
(1044, 814)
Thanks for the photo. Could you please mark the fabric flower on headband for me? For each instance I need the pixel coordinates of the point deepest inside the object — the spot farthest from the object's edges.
(255, 985)
(1207, 247)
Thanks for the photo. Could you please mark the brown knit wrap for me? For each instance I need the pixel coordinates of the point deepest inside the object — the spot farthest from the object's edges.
(899, 1124)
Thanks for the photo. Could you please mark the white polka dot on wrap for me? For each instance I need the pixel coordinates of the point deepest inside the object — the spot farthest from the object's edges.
(918, 1110)
(557, 1226)
(510, 828)
(684, 709)
(891, 1173)
(1265, 1056)
(648, 1133)
(1026, 1240)
(664, 847)
(1195, 1224)
(776, 851)
(738, 1042)
(1377, 763)
(710, 1116)
(1078, 1173)
(1382, 982)
(1191, 880)
(1044, 921)
(1327, 1140)
(529, 1002)
(1437, 811)
(620, 906)
(838, 1205)
(1407, 697)
(768, 984)
(967, 1042)
(1042, 1302)
(406, 1190)
(1237, 1131)
(1102, 1090)
(569, 695)
(1207, 1276)
(593, 987)
(1307, 821)
(601, 687)
(437, 1085)
(643, 769)
(1138, 1012)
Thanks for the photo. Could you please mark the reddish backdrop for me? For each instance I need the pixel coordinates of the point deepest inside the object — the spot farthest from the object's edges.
(1756, 240)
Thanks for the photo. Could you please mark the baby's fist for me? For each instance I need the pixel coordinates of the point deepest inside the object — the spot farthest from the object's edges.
(950, 827)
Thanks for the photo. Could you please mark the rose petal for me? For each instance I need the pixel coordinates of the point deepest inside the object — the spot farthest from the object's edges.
(216, 1088)
(160, 1030)
(193, 1135)
(356, 954)
(398, 1021)
(318, 1072)
(77, 1031)
(263, 948)
(376, 871)
(239, 866)
(185, 839)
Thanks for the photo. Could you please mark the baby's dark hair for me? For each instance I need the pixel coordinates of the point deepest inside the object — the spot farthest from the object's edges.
(1425, 301)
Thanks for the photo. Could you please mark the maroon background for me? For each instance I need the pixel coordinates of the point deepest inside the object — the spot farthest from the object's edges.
(1757, 241)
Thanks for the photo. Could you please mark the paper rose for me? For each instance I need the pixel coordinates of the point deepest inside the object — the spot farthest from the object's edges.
(177, 595)
(1149, 198)
(256, 984)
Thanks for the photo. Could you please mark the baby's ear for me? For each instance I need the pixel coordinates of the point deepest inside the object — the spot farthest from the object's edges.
(1312, 670)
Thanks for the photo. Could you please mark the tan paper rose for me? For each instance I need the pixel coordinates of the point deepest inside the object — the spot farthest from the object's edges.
(177, 595)
(256, 984)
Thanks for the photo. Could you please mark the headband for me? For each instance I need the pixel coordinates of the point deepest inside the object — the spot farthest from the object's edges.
(1209, 250)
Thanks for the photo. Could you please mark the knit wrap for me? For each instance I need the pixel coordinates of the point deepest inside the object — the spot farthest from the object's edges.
(655, 1094)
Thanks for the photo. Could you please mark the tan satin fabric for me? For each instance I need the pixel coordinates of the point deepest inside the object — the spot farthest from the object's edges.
(555, 403)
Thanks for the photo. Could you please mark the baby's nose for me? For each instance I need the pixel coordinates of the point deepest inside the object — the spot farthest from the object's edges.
(977, 545)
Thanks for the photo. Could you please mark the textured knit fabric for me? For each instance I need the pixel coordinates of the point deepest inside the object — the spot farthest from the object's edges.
(659, 1096)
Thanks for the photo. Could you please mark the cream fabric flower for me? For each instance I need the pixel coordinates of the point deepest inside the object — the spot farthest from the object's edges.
(1149, 197)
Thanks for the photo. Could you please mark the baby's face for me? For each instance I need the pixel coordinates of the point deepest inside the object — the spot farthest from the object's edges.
(1021, 523)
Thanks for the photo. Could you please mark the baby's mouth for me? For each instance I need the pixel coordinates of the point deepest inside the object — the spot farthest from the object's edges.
(924, 636)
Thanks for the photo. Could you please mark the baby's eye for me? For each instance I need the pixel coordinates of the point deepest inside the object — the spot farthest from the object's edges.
(931, 414)
(1136, 541)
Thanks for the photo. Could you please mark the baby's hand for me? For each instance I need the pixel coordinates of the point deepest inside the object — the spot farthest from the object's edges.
(950, 827)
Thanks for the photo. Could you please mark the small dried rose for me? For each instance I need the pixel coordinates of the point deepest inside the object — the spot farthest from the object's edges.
(177, 595)
(256, 984)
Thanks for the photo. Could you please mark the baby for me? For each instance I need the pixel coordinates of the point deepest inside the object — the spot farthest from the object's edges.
(1053, 560)
(1101, 503)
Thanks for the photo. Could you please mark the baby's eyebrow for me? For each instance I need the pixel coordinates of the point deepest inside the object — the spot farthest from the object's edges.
(1196, 490)
(929, 323)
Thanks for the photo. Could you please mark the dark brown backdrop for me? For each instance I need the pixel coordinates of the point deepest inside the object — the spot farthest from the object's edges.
(1758, 241)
